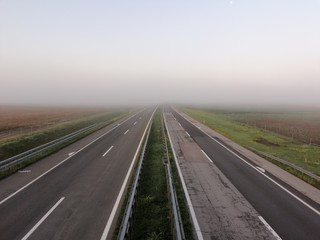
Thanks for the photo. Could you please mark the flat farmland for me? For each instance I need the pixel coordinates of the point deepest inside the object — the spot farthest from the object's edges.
(17, 121)
(303, 126)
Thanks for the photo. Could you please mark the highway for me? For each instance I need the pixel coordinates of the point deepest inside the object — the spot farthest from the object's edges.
(78, 197)
(290, 214)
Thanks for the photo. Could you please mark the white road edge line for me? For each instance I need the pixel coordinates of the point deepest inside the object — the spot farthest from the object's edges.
(269, 228)
(36, 179)
(42, 219)
(126, 132)
(261, 169)
(192, 212)
(206, 156)
(116, 204)
(276, 183)
(188, 134)
(107, 151)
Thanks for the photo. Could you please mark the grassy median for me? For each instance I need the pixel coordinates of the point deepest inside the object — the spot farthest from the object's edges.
(152, 219)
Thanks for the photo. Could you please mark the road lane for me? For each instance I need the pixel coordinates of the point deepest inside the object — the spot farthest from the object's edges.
(290, 218)
(89, 182)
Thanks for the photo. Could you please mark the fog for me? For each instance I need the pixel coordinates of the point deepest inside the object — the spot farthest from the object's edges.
(101, 53)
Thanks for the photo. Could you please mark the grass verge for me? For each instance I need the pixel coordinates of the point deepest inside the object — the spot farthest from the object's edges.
(152, 216)
(303, 155)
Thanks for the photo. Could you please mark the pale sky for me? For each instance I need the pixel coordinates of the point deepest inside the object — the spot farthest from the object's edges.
(78, 52)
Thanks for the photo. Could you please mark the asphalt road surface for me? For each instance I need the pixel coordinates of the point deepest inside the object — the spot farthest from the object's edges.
(289, 213)
(76, 198)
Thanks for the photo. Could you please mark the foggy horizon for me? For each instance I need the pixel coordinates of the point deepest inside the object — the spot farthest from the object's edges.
(217, 53)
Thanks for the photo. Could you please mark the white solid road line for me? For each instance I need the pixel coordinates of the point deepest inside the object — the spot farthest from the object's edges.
(261, 169)
(116, 205)
(188, 134)
(206, 156)
(42, 219)
(126, 132)
(269, 228)
(107, 151)
(276, 183)
(70, 153)
(43, 174)
(185, 190)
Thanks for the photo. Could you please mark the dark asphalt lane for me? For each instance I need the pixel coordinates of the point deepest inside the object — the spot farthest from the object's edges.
(285, 214)
(87, 184)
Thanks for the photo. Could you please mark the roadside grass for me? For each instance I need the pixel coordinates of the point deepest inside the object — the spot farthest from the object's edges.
(303, 155)
(152, 216)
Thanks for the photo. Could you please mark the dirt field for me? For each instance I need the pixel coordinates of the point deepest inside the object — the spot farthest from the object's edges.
(15, 121)
(298, 125)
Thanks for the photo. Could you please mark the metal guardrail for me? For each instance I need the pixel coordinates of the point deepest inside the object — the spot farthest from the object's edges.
(126, 224)
(125, 231)
(177, 225)
(300, 169)
(15, 160)
(196, 228)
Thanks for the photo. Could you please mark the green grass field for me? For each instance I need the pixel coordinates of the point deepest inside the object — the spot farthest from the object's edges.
(303, 155)
(151, 219)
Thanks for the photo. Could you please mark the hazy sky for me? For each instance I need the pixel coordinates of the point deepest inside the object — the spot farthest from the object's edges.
(146, 51)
